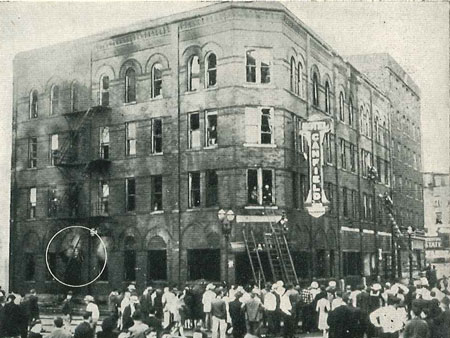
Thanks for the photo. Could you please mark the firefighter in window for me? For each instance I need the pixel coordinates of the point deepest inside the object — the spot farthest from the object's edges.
(267, 194)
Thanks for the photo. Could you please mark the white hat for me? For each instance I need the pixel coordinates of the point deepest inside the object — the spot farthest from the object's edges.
(376, 287)
(332, 283)
(210, 286)
(424, 281)
(314, 285)
(280, 283)
(131, 287)
(274, 286)
(89, 298)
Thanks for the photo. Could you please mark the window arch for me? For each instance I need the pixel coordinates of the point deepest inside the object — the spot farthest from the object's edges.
(54, 99)
(74, 91)
(293, 80)
(34, 104)
(327, 98)
(211, 70)
(299, 79)
(315, 84)
(351, 113)
(194, 73)
(104, 91)
(156, 80)
(341, 107)
(130, 85)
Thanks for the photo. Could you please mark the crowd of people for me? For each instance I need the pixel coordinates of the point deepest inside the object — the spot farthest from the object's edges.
(419, 310)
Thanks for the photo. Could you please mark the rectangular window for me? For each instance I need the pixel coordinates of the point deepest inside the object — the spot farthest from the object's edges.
(212, 188)
(353, 161)
(54, 146)
(52, 202)
(157, 136)
(354, 204)
(103, 202)
(438, 217)
(370, 208)
(259, 125)
(157, 192)
(130, 194)
(343, 154)
(194, 190)
(211, 129)
(258, 64)
(104, 143)
(344, 202)
(32, 152)
(32, 203)
(130, 130)
(329, 138)
(30, 266)
(194, 131)
(260, 186)
(365, 206)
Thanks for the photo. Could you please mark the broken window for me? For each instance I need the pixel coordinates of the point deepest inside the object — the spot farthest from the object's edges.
(194, 130)
(156, 80)
(130, 85)
(157, 135)
(211, 129)
(194, 190)
(212, 188)
(54, 147)
(54, 99)
(104, 143)
(211, 70)
(32, 152)
(260, 186)
(194, 73)
(130, 129)
(258, 64)
(157, 192)
(130, 194)
(33, 104)
(32, 203)
(104, 91)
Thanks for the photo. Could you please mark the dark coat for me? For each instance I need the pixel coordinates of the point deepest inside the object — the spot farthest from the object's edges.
(237, 315)
(346, 322)
(416, 328)
(83, 330)
(11, 320)
(33, 307)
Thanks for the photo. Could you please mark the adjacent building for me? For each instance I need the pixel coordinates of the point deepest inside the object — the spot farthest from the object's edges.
(145, 133)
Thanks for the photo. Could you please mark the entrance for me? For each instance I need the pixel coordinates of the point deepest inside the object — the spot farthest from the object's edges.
(203, 264)
(244, 273)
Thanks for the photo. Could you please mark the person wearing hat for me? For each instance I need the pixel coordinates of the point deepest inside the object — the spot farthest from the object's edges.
(93, 309)
(235, 308)
(388, 320)
(59, 331)
(168, 298)
(67, 310)
(323, 306)
(11, 318)
(130, 309)
(207, 298)
(270, 309)
(253, 314)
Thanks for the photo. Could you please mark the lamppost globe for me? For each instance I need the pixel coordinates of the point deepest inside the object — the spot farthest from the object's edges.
(221, 214)
(229, 215)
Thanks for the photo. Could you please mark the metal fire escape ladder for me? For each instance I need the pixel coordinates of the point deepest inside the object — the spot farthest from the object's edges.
(253, 256)
(274, 258)
(281, 243)
(69, 141)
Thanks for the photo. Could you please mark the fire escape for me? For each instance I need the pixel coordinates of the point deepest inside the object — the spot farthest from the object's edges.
(81, 165)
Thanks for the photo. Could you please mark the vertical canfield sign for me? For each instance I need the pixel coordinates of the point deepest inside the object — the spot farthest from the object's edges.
(313, 131)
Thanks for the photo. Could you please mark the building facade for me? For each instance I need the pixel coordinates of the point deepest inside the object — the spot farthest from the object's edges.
(437, 226)
(145, 133)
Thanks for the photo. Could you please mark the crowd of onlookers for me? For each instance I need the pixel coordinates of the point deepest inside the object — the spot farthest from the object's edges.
(419, 310)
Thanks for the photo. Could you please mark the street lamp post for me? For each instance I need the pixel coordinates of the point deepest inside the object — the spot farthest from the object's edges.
(410, 232)
(226, 218)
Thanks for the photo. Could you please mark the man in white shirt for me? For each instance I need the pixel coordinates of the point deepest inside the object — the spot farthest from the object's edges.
(168, 299)
(389, 319)
(208, 296)
(270, 307)
(93, 309)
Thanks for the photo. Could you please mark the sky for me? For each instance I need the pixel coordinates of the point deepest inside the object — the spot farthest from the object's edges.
(416, 34)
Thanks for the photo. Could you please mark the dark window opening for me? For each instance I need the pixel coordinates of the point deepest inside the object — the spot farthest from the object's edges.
(194, 73)
(130, 85)
(131, 194)
(315, 89)
(211, 129)
(156, 80)
(351, 263)
(104, 92)
(130, 265)
(266, 126)
(32, 152)
(302, 263)
(54, 100)
(104, 143)
(157, 136)
(194, 130)
(157, 191)
(251, 66)
(211, 71)
(30, 266)
(252, 184)
(203, 264)
(194, 190)
(327, 98)
(156, 265)
(321, 270)
(34, 104)
(267, 187)
(212, 188)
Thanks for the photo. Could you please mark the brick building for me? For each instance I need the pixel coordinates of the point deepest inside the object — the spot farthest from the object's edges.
(144, 133)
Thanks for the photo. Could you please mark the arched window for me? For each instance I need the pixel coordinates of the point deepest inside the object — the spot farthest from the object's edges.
(368, 130)
(130, 85)
(341, 106)
(54, 99)
(193, 73)
(74, 96)
(293, 80)
(376, 127)
(315, 88)
(156, 80)
(362, 121)
(34, 104)
(299, 79)
(104, 91)
(327, 98)
(211, 70)
(351, 116)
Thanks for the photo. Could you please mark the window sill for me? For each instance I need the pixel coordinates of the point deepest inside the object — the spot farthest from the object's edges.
(259, 145)
(212, 88)
(157, 154)
(157, 212)
(259, 85)
(156, 98)
(197, 209)
(261, 207)
(194, 149)
(34, 168)
(129, 103)
(215, 146)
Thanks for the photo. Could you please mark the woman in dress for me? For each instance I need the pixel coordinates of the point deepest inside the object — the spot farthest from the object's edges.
(323, 307)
